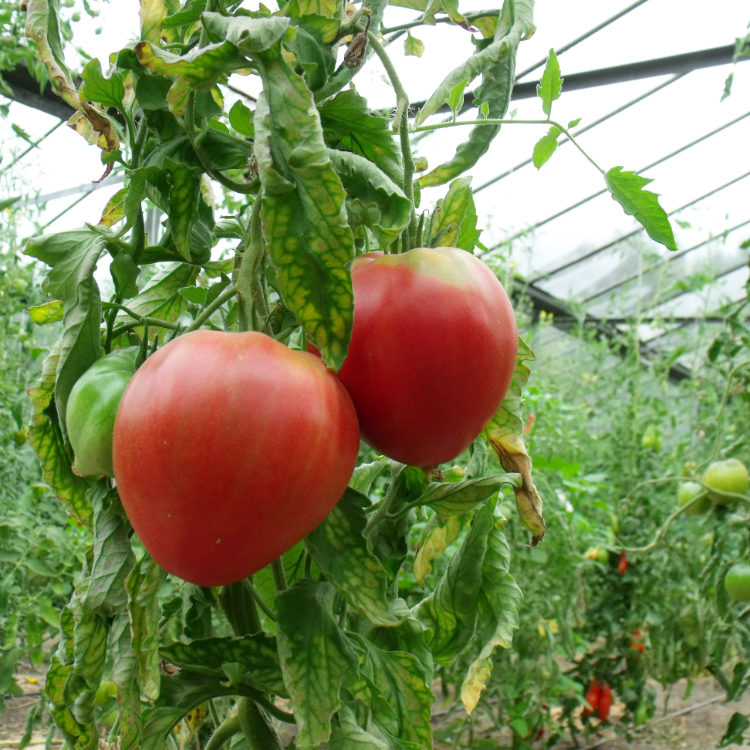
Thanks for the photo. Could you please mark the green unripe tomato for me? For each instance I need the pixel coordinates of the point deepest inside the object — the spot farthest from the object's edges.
(737, 582)
(686, 493)
(726, 476)
(92, 408)
(76, 16)
(19, 285)
(105, 691)
(640, 716)
(652, 438)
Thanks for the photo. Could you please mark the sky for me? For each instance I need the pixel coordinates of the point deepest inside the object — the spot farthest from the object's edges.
(682, 111)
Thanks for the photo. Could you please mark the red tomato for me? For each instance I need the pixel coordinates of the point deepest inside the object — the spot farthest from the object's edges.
(637, 643)
(592, 697)
(605, 703)
(432, 353)
(529, 424)
(623, 565)
(229, 449)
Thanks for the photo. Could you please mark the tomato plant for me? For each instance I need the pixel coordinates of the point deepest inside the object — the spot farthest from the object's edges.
(432, 354)
(175, 447)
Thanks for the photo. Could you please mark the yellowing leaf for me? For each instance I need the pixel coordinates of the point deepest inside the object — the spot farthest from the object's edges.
(49, 312)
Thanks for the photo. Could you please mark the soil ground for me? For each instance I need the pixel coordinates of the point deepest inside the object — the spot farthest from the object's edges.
(699, 729)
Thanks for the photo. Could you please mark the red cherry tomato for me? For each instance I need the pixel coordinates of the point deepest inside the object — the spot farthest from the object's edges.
(623, 565)
(637, 643)
(605, 703)
(592, 697)
(529, 424)
(432, 353)
(230, 448)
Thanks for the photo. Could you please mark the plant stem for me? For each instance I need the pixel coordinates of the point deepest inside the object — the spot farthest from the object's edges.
(255, 727)
(561, 128)
(225, 731)
(214, 713)
(385, 504)
(247, 279)
(245, 188)
(248, 584)
(209, 310)
(401, 124)
(135, 158)
(724, 400)
(720, 493)
(279, 574)
(443, 19)
(145, 321)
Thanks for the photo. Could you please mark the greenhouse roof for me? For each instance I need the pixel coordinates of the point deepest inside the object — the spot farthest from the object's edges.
(647, 80)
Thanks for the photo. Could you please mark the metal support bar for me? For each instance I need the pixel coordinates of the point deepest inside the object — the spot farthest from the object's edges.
(25, 89)
(565, 319)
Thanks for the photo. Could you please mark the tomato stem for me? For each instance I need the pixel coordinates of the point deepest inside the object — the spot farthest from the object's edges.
(209, 310)
(255, 727)
(249, 285)
(224, 731)
(248, 584)
(279, 574)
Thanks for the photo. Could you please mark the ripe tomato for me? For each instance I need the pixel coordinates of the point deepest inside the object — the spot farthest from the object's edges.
(92, 408)
(637, 643)
(432, 353)
(728, 476)
(229, 449)
(605, 703)
(687, 492)
(623, 563)
(737, 582)
(592, 697)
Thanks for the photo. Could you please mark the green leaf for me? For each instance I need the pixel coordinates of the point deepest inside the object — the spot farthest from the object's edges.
(375, 200)
(348, 735)
(49, 312)
(162, 299)
(248, 35)
(497, 65)
(45, 436)
(189, 15)
(316, 59)
(143, 605)
(413, 47)
(38, 568)
(97, 88)
(345, 556)
(515, 24)
(241, 119)
(545, 147)
(126, 676)
(195, 294)
(454, 498)
(114, 211)
(397, 680)
(308, 630)
(8, 202)
(451, 609)
(56, 680)
(113, 557)
(124, 271)
(550, 84)
(735, 733)
(90, 648)
(304, 215)
(627, 188)
(499, 601)
(349, 126)
(73, 256)
(457, 209)
(365, 474)
(456, 98)
(505, 435)
(185, 190)
(256, 653)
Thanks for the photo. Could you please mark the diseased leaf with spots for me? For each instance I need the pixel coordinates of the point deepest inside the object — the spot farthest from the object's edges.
(316, 656)
(627, 188)
(152, 15)
(348, 735)
(450, 611)
(505, 435)
(256, 653)
(45, 437)
(438, 534)
(143, 606)
(184, 192)
(458, 209)
(114, 211)
(413, 47)
(345, 556)
(499, 602)
(304, 214)
(453, 498)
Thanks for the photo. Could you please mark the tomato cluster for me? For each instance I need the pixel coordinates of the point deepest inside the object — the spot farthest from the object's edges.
(599, 699)
(229, 448)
